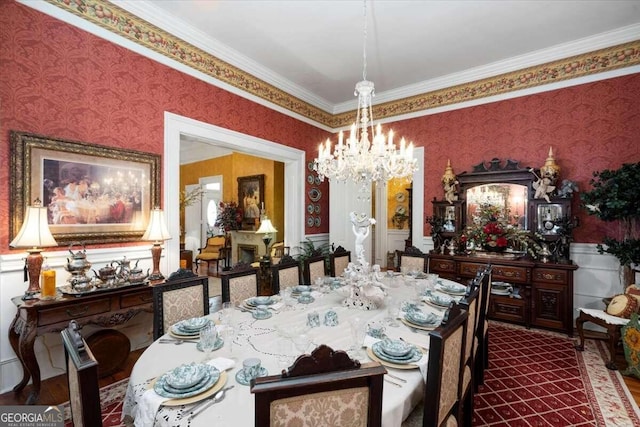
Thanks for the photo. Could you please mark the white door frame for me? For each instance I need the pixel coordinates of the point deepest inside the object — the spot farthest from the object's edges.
(294, 169)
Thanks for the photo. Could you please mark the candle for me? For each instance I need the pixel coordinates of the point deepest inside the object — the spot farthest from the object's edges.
(48, 284)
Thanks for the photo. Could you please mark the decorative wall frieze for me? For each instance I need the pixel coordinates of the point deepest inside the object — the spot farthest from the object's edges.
(122, 23)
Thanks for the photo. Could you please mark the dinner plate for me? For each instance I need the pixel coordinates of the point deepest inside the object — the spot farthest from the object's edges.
(219, 343)
(183, 336)
(186, 376)
(418, 317)
(198, 397)
(395, 348)
(191, 325)
(440, 301)
(381, 349)
(421, 327)
(412, 357)
(451, 288)
(159, 385)
(256, 301)
(375, 358)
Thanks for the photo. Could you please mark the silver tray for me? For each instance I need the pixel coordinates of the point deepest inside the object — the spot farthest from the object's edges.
(68, 290)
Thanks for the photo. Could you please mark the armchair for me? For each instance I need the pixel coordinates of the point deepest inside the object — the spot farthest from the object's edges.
(212, 252)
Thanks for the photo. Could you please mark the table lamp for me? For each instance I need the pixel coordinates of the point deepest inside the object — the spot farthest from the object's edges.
(267, 229)
(34, 234)
(157, 233)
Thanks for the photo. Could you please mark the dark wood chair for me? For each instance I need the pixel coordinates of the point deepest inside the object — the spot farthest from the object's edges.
(182, 296)
(470, 304)
(338, 261)
(239, 283)
(445, 370)
(82, 375)
(482, 339)
(323, 379)
(285, 274)
(412, 258)
(314, 267)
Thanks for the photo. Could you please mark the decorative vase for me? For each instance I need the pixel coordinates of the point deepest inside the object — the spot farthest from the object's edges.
(490, 248)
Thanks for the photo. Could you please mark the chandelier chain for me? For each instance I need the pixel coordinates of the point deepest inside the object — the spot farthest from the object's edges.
(364, 45)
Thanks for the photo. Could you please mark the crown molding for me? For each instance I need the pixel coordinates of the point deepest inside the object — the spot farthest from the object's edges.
(270, 91)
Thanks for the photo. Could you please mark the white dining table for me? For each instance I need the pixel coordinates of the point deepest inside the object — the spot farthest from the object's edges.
(403, 388)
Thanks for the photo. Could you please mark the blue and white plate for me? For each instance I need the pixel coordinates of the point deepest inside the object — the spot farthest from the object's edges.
(190, 327)
(242, 379)
(256, 301)
(439, 300)
(395, 348)
(413, 356)
(421, 318)
(452, 288)
(212, 375)
(186, 376)
(300, 289)
(219, 343)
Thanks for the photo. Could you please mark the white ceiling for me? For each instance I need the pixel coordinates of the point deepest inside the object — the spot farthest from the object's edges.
(313, 49)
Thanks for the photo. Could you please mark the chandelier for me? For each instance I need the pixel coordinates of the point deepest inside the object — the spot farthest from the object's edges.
(365, 156)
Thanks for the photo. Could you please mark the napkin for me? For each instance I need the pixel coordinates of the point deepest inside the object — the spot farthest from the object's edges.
(276, 306)
(222, 363)
(148, 406)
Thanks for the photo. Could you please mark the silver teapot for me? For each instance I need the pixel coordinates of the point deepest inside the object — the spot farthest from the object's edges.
(78, 263)
(137, 276)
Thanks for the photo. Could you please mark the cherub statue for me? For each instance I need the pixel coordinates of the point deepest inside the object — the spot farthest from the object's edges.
(542, 186)
(360, 226)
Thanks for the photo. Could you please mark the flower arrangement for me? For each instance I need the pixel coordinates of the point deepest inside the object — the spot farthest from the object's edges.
(229, 217)
(493, 231)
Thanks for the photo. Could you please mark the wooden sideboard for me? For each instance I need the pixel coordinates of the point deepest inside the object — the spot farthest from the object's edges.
(543, 292)
(36, 317)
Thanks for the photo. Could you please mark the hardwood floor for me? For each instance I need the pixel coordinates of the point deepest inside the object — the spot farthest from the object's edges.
(54, 390)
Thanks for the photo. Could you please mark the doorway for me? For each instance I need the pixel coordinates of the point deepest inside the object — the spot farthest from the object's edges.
(293, 159)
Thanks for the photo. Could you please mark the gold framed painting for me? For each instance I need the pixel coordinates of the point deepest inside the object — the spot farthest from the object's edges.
(93, 194)
(251, 198)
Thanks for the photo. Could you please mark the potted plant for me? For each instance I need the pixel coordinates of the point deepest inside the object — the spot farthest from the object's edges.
(230, 216)
(615, 197)
(398, 219)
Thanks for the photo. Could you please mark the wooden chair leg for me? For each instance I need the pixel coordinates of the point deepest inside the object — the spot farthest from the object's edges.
(613, 336)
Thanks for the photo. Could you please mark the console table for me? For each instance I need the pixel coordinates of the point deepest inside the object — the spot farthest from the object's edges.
(543, 294)
(105, 308)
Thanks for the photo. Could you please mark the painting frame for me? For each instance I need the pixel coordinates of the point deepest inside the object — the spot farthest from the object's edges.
(251, 199)
(37, 160)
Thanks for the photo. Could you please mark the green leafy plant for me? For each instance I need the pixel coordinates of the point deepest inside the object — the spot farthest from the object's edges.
(615, 197)
(229, 216)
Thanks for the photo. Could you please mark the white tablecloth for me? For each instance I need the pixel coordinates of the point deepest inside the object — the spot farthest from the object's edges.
(260, 338)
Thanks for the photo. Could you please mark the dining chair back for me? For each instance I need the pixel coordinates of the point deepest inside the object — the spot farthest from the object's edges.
(338, 261)
(82, 375)
(285, 274)
(239, 283)
(179, 298)
(412, 259)
(318, 381)
(445, 370)
(314, 268)
(481, 351)
(470, 304)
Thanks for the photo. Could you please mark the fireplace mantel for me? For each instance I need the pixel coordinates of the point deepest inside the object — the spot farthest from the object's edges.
(246, 240)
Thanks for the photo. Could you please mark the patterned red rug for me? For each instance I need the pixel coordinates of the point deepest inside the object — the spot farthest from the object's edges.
(537, 378)
(111, 398)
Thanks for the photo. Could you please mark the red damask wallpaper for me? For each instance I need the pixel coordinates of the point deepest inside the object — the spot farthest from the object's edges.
(60, 81)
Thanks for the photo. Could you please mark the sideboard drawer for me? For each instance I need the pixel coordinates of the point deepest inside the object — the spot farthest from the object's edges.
(469, 269)
(509, 309)
(510, 273)
(550, 275)
(442, 266)
(137, 298)
(81, 309)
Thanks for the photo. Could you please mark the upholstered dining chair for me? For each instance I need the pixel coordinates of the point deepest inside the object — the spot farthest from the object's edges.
(212, 252)
(413, 259)
(470, 304)
(82, 375)
(239, 283)
(314, 268)
(481, 352)
(179, 298)
(285, 274)
(324, 379)
(445, 370)
(338, 261)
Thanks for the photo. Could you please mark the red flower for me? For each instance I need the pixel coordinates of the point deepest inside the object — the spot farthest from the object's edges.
(502, 242)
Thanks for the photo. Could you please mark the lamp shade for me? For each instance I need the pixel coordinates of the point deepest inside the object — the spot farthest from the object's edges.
(266, 227)
(35, 230)
(157, 228)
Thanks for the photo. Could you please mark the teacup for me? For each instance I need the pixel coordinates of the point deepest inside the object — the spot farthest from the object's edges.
(331, 318)
(306, 298)
(251, 368)
(376, 330)
(313, 319)
(262, 312)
